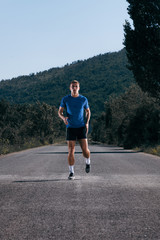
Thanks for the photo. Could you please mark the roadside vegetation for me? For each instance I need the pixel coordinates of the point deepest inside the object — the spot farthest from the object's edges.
(28, 125)
(131, 120)
(151, 150)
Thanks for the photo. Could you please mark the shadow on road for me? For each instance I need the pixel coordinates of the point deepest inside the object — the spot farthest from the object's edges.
(46, 180)
(125, 152)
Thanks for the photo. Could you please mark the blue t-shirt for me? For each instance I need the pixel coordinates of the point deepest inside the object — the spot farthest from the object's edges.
(75, 110)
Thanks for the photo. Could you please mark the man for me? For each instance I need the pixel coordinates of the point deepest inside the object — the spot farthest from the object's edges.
(77, 129)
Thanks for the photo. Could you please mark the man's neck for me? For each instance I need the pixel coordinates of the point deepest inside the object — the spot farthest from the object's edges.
(75, 95)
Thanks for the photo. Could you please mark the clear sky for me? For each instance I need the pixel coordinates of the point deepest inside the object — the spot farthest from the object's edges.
(36, 35)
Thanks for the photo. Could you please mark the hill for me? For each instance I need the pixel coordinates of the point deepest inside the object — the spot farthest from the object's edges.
(99, 76)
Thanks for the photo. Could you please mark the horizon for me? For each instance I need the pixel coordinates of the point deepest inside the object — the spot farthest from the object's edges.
(74, 62)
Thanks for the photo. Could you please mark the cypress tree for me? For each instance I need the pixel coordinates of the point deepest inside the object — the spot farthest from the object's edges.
(142, 42)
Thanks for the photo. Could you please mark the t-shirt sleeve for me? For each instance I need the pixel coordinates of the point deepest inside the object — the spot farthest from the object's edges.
(86, 104)
(62, 103)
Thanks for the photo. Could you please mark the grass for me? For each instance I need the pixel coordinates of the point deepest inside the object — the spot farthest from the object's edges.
(6, 148)
(154, 150)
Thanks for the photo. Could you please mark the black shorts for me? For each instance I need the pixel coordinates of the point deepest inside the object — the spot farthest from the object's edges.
(74, 134)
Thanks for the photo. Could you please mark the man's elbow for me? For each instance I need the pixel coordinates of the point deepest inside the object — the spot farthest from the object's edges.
(59, 112)
(88, 112)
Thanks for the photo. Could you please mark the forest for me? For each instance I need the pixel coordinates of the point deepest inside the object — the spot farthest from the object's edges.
(28, 125)
(130, 120)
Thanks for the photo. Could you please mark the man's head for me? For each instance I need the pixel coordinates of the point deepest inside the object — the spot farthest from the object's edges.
(74, 87)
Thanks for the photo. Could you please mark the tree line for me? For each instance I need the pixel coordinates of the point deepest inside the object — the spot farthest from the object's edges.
(130, 120)
(28, 125)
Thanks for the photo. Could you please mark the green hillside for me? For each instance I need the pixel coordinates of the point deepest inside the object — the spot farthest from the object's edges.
(99, 76)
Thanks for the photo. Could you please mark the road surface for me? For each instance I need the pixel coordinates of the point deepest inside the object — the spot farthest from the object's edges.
(118, 200)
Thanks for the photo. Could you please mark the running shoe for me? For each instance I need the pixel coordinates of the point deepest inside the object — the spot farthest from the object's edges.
(87, 168)
(71, 176)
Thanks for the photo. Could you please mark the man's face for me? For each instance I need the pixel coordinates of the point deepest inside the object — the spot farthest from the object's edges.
(74, 87)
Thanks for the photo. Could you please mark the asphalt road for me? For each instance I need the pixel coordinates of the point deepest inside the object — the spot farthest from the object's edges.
(118, 200)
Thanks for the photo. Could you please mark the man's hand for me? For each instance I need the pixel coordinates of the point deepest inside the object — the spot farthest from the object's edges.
(60, 113)
(65, 120)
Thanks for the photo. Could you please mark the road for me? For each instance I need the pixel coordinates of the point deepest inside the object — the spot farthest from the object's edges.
(118, 200)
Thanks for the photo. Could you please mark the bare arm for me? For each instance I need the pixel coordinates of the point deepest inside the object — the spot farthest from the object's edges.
(60, 114)
(88, 115)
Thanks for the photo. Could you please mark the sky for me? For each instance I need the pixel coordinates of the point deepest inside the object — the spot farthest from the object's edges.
(36, 35)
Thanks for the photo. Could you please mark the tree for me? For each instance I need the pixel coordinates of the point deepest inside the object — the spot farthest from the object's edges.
(142, 42)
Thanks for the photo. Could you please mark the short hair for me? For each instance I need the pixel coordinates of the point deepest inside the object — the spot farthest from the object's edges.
(75, 81)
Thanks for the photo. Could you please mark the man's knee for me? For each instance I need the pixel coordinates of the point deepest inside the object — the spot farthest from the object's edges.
(86, 152)
(71, 149)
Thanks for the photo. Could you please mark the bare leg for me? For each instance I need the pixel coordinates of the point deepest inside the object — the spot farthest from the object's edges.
(86, 153)
(71, 150)
(84, 146)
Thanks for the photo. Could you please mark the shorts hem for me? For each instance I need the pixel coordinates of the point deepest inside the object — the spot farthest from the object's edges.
(74, 134)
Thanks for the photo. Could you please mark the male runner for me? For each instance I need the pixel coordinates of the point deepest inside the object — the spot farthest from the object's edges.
(77, 129)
